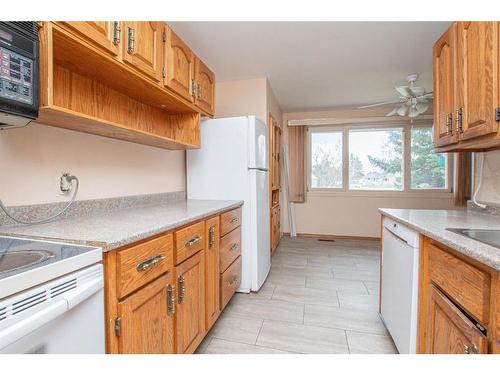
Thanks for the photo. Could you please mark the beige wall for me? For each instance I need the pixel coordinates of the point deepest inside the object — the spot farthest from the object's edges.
(32, 159)
(241, 98)
(351, 213)
(489, 192)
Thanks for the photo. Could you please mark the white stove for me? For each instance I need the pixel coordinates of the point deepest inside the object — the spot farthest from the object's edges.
(51, 297)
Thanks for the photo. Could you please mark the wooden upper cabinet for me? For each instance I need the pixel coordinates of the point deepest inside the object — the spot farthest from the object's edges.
(105, 35)
(477, 78)
(212, 236)
(449, 331)
(205, 87)
(190, 321)
(179, 65)
(443, 66)
(142, 47)
(147, 325)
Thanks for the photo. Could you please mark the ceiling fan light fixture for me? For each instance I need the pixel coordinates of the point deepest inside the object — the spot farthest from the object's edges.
(413, 112)
(402, 111)
(422, 107)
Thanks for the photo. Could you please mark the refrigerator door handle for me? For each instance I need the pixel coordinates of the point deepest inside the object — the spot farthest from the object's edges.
(259, 169)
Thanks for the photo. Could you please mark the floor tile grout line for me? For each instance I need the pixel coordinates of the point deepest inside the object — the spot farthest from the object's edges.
(347, 341)
(260, 330)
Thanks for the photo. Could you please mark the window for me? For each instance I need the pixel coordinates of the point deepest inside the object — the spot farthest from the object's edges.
(428, 169)
(376, 159)
(326, 160)
(381, 158)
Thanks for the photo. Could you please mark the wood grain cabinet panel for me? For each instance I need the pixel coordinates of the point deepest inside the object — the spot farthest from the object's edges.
(205, 87)
(449, 330)
(142, 263)
(229, 221)
(146, 325)
(465, 284)
(230, 248)
(189, 241)
(212, 295)
(179, 65)
(105, 35)
(142, 47)
(477, 78)
(444, 89)
(190, 321)
(229, 282)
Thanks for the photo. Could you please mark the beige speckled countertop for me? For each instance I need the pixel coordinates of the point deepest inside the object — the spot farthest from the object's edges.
(433, 224)
(122, 227)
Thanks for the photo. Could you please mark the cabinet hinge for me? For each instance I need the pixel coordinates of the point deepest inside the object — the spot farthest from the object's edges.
(118, 326)
(497, 114)
(164, 36)
(164, 72)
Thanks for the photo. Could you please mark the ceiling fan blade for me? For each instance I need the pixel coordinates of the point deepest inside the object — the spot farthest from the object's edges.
(402, 110)
(417, 91)
(379, 104)
(393, 112)
(428, 95)
(404, 91)
(422, 107)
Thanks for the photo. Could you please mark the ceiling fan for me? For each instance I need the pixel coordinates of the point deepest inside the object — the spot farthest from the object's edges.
(413, 100)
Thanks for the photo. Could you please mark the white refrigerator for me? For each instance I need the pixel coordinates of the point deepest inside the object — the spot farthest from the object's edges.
(232, 164)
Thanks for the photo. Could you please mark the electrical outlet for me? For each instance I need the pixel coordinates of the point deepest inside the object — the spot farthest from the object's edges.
(64, 184)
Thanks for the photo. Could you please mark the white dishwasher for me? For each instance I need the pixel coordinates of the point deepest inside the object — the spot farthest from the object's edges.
(399, 290)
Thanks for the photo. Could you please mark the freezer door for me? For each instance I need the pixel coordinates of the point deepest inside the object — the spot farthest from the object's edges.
(257, 144)
(259, 232)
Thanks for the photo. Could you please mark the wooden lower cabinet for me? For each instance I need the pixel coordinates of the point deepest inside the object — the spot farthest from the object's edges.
(190, 315)
(145, 326)
(458, 307)
(212, 305)
(162, 298)
(275, 228)
(450, 331)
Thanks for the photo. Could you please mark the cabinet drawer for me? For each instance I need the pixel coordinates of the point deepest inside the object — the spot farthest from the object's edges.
(230, 220)
(140, 264)
(229, 282)
(465, 284)
(188, 241)
(230, 248)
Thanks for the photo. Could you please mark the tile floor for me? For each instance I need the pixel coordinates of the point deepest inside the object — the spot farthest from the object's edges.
(320, 297)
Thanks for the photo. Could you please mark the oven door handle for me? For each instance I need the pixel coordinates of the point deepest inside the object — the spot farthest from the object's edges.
(29, 324)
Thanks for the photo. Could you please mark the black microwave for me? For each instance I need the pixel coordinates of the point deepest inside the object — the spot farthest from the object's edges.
(18, 73)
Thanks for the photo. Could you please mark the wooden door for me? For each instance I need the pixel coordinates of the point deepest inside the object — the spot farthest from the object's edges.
(190, 318)
(180, 66)
(205, 89)
(444, 106)
(212, 271)
(449, 331)
(142, 47)
(476, 90)
(147, 324)
(105, 35)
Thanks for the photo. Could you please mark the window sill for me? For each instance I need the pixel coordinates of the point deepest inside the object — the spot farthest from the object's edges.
(446, 194)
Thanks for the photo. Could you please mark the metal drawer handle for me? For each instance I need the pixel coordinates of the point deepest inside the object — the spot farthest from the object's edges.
(150, 262)
(233, 279)
(170, 300)
(211, 236)
(470, 349)
(234, 247)
(116, 33)
(131, 40)
(193, 241)
(234, 220)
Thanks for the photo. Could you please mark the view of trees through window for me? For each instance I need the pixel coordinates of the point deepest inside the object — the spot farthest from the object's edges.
(376, 160)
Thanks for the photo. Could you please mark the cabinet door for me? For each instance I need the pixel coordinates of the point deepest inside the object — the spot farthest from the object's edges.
(477, 64)
(180, 66)
(147, 325)
(190, 324)
(205, 91)
(274, 228)
(102, 34)
(212, 271)
(443, 62)
(142, 47)
(449, 331)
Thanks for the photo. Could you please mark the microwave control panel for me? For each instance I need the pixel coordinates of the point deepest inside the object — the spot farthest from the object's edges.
(16, 77)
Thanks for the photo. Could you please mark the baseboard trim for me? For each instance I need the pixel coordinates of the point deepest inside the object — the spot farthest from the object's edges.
(333, 236)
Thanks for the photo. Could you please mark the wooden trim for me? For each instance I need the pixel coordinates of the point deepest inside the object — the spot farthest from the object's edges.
(333, 236)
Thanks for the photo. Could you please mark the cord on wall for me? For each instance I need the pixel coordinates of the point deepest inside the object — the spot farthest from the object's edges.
(65, 185)
(480, 180)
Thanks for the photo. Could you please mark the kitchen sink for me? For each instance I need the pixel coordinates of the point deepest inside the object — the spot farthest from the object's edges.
(487, 236)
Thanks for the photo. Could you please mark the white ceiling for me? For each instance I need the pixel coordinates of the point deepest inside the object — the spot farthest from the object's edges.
(314, 65)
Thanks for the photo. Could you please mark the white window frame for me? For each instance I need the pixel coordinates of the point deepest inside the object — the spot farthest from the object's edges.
(344, 190)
